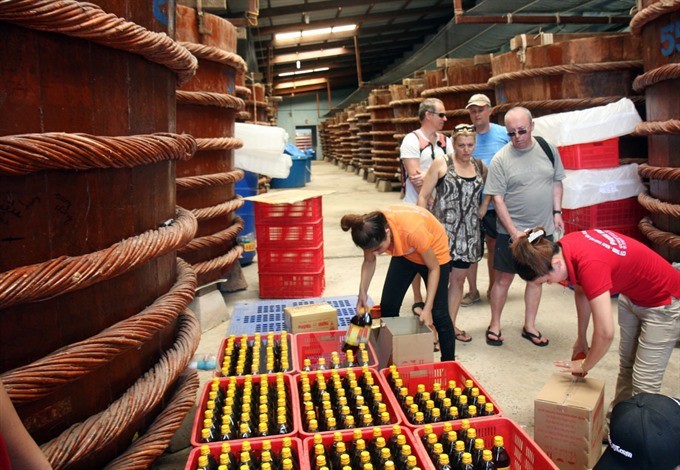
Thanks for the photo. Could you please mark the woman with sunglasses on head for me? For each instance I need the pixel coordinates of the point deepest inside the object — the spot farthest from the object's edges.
(457, 182)
(599, 264)
(418, 245)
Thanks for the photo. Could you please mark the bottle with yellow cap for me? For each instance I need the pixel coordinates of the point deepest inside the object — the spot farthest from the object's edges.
(487, 461)
(457, 458)
(443, 463)
(203, 463)
(477, 452)
(500, 456)
(356, 332)
(466, 462)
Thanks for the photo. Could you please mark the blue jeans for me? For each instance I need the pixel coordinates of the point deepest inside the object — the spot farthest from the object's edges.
(400, 274)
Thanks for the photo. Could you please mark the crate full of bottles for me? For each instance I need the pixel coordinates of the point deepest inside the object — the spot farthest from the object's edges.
(321, 350)
(378, 448)
(252, 407)
(431, 393)
(491, 443)
(338, 399)
(284, 453)
(256, 354)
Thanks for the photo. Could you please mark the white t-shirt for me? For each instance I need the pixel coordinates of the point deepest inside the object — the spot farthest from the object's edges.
(410, 148)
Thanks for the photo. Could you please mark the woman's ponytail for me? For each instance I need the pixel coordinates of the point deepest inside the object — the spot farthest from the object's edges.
(368, 230)
(532, 254)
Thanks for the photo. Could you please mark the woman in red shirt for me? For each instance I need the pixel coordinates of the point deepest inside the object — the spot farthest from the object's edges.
(599, 264)
(418, 245)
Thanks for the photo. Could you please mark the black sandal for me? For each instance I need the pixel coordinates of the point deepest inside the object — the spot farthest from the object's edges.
(493, 342)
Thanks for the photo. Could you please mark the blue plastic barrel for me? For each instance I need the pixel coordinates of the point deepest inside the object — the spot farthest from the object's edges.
(247, 187)
(296, 178)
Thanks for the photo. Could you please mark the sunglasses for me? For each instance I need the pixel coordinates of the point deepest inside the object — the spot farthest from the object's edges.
(519, 131)
(463, 127)
(441, 115)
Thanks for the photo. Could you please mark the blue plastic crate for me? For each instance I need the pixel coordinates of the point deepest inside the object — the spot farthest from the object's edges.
(267, 315)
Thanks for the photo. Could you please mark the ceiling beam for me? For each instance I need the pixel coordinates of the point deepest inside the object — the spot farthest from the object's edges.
(378, 57)
(317, 6)
(410, 12)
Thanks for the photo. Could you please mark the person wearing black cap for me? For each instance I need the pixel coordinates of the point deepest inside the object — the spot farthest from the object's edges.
(644, 434)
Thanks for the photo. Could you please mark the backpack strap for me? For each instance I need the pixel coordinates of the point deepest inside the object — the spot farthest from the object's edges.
(546, 148)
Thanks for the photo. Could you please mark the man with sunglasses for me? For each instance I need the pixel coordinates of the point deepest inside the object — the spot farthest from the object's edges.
(418, 149)
(490, 139)
(526, 185)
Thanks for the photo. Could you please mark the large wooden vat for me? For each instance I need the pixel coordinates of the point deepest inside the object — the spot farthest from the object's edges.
(205, 184)
(385, 161)
(657, 24)
(568, 75)
(455, 82)
(92, 295)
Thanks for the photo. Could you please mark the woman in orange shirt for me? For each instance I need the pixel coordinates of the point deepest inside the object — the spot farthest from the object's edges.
(418, 245)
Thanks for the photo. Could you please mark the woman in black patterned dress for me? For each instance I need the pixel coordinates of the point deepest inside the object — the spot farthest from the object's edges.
(457, 182)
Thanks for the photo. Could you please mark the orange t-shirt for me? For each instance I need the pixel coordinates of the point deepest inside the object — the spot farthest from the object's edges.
(414, 231)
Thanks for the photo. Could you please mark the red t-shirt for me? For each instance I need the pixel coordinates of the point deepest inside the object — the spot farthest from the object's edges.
(603, 260)
(4, 457)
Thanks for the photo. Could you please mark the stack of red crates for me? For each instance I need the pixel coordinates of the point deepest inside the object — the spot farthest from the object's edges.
(290, 249)
(621, 216)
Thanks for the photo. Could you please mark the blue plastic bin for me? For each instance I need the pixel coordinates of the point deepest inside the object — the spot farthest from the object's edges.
(296, 178)
(247, 187)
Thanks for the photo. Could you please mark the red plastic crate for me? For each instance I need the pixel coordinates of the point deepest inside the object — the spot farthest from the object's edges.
(309, 210)
(367, 434)
(524, 453)
(293, 405)
(392, 405)
(292, 285)
(301, 235)
(292, 351)
(318, 344)
(290, 260)
(622, 213)
(602, 154)
(277, 444)
(428, 374)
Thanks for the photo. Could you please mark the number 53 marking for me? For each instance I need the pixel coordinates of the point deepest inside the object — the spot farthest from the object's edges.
(670, 39)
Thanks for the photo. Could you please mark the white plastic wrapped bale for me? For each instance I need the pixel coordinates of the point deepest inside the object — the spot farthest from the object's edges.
(589, 125)
(584, 188)
(262, 150)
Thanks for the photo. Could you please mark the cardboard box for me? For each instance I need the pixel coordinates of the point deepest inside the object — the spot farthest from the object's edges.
(568, 420)
(311, 317)
(402, 341)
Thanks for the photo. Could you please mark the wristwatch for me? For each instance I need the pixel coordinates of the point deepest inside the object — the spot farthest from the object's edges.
(557, 212)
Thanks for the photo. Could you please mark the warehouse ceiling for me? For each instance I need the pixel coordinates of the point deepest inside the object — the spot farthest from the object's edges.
(392, 39)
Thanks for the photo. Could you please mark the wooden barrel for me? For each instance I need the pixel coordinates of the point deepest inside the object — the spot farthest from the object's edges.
(353, 120)
(365, 138)
(657, 24)
(245, 93)
(344, 136)
(205, 184)
(455, 82)
(256, 105)
(568, 75)
(405, 102)
(385, 157)
(86, 255)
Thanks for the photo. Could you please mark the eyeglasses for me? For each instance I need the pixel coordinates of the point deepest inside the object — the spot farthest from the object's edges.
(464, 127)
(518, 131)
(441, 115)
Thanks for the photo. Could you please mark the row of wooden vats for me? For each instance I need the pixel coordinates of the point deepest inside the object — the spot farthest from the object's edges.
(546, 74)
(116, 202)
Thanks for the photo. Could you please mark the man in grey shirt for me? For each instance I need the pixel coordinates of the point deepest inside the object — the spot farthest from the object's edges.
(527, 192)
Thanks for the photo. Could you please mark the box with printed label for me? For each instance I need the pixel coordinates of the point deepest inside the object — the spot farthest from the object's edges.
(568, 420)
(311, 317)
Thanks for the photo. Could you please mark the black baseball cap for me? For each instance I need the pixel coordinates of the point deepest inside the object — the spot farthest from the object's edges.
(644, 434)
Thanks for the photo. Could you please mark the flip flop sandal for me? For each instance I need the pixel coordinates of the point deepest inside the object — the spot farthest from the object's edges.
(420, 305)
(436, 346)
(531, 337)
(461, 337)
(493, 342)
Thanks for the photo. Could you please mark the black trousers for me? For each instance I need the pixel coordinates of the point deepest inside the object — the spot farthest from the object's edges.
(400, 274)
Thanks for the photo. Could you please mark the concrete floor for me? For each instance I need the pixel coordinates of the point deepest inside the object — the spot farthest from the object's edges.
(512, 374)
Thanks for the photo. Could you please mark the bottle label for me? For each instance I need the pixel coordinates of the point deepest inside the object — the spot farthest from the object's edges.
(354, 333)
